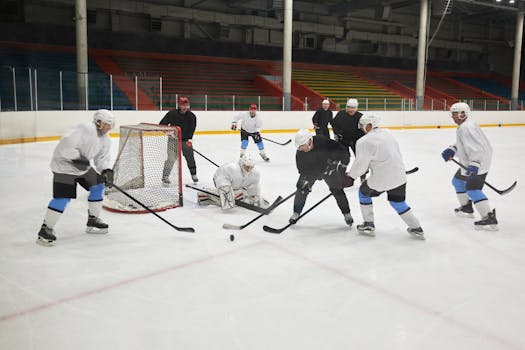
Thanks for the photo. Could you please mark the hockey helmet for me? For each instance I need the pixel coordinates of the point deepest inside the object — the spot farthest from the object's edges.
(302, 137)
(326, 102)
(352, 102)
(368, 118)
(104, 116)
(247, 162)
(183, 100)
(253, 106)
(460, 107)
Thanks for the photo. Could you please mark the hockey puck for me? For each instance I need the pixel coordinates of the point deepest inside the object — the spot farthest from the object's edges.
(232, 238)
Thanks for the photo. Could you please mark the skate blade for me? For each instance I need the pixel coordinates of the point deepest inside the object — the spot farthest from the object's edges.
(418, 236)
(45, 242)
(368, 233)
(464, 215)
(95, 230)
(486, 227)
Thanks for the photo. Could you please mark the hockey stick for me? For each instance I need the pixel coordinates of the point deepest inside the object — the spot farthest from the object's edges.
(275, 204)
(203, 156)
(184, 229)
(282, 144)
(411, 171)
(237, 202)
(279, 230)
(501, 192)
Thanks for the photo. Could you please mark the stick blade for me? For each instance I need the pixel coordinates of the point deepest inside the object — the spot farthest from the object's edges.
(508, 189)
(287, 142)
(185, 229)
(411, 171)
(273, 230)
(231, 227)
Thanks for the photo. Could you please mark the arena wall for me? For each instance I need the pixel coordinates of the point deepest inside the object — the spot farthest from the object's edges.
(17, 127)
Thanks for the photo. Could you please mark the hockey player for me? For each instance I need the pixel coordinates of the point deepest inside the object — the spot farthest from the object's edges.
(379, 152)
(321, 118)
(320, 158)
(187, 121)
(236, 181)
(251, 125)
(71, 164)
(475, 152)
(346, 125)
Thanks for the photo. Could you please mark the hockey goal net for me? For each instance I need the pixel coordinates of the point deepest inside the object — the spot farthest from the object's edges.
(142, 169)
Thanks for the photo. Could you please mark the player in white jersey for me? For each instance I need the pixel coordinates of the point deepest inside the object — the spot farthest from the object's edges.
(251, 125)
(71, 164)
(236, 181)
(475, 152)
(378, 151)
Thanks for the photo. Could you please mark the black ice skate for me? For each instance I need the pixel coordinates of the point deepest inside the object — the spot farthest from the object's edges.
(194, 178)
(416, 233)
(349, 219)
(489, 222)
(264, 157)
(293, 219)
(46, 236)
(465, 211)
(367, 228)
(95, 225)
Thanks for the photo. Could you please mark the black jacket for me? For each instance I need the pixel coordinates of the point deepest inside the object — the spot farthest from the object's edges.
(321, 118)
(347, 126)
(187, 122)
(312, 164)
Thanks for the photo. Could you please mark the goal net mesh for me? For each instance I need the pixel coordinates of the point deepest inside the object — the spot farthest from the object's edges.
(142, 169)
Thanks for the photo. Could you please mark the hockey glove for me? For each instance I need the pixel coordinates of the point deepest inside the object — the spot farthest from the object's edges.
(234, 126)
(348, 181)
(472, 170)
(81, 163)
(448, 153)
(107, 177)
(189, 143)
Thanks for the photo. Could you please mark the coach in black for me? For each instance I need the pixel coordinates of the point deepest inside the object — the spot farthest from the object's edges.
(187, 121)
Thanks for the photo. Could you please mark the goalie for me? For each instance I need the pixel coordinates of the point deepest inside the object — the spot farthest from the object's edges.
(235, 181)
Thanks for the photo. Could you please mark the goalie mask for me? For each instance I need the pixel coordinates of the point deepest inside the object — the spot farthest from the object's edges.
(246, 162)
(104, 116)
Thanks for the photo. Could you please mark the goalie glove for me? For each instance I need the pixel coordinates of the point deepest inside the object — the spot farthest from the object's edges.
(107, 177)
(227, 197)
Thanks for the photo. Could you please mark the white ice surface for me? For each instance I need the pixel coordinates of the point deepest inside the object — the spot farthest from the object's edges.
(318, 285)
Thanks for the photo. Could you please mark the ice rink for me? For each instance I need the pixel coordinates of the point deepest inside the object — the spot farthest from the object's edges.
(318, 285)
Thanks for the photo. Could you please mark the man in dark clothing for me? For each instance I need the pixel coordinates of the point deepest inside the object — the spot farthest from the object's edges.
(321, 118)
(186, 120)
(320, 158)
(346, 125)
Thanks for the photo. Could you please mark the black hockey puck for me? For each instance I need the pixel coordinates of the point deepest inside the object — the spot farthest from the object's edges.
(232, 237)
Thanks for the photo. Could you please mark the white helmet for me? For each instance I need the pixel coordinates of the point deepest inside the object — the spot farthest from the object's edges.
(302, 137)
(460, 107)
(247, 162)
(326, 102)
(104, 116)
(352, 102)
(369, 118)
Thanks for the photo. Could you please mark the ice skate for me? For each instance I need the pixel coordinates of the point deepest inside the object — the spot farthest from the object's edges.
(416, 233)
(367, 229)
(95, 225)
(264, 157)
(194, 178)
(488, 223)
(46, 236)
(465, 211)
(349, 219)
(293, 219)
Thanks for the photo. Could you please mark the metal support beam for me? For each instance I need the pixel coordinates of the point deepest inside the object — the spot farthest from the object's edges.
(518, 42)
(421, 55)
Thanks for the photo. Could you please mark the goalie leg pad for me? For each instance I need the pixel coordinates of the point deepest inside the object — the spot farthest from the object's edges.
(226, 195)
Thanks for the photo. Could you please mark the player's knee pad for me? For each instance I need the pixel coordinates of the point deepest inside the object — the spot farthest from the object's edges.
(364, 199)
(244, 144)
(260, 145)
(459, 185)
(96, 193)
(400, 207)
(476, 195)
(58, 204)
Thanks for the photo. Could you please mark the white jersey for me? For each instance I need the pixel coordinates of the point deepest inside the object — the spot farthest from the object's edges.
(472, 146)
(249, 124)
(379, 151)
(81, 141)
(231, 174)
